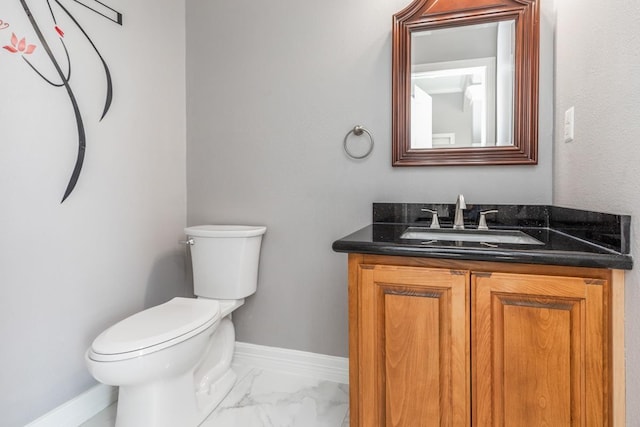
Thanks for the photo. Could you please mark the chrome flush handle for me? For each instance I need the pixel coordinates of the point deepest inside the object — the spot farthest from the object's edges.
(188, 242)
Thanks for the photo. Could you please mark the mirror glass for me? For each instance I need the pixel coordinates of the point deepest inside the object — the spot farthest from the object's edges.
(462, 86)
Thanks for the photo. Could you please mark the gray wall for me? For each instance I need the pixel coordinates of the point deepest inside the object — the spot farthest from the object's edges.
(68, 271)
(272, 89)
(597, 64)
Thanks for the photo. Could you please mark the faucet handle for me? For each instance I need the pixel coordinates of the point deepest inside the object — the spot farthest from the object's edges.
(482, 224)
(434, 222)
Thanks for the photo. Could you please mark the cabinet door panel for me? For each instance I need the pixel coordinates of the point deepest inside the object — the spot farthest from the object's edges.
(413, 345)
(537, 359)
(419, 319)
(537, 353)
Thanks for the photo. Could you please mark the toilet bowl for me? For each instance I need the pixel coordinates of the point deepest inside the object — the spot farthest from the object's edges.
(172, 362)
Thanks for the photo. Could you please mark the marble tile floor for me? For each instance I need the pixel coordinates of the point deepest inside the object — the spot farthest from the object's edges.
(263, 398)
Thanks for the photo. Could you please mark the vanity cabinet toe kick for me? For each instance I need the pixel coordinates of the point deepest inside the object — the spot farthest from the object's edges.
(436, 342)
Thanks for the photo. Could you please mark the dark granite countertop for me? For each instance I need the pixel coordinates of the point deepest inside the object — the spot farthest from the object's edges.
(569, 237)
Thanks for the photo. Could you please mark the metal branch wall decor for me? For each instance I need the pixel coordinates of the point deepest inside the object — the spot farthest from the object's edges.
(19, 46)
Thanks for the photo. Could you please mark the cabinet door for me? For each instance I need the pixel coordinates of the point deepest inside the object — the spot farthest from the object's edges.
(538, 352)
(413, 348)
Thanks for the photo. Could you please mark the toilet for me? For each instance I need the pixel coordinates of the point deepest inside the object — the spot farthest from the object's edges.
(172, 362)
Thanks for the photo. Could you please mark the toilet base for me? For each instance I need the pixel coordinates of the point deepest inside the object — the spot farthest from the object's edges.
(214, 377)
(185, 400)
(207, 402)
(168, 403)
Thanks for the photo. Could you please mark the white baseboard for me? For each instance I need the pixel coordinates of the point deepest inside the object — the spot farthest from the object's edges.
(330, 368)
(320, 366)
(79, 409)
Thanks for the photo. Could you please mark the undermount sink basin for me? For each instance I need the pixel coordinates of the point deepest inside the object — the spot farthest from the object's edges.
(513, 237)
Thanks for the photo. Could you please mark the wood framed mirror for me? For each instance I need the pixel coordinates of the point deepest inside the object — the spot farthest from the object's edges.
(465, 83)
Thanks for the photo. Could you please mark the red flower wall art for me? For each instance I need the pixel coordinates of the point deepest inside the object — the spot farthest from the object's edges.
(19, 46)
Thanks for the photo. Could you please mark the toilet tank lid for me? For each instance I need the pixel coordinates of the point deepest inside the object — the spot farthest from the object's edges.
(156, 325)
(225, 230)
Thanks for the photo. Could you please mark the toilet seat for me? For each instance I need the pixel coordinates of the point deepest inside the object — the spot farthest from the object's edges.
(154, 329)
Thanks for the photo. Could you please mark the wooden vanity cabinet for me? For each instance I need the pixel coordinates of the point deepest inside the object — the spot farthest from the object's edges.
(466, 343)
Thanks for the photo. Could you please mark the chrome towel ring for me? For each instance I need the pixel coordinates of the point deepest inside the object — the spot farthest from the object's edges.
(357, 131)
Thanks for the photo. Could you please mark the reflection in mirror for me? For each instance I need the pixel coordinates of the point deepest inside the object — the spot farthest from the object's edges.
(462, 86)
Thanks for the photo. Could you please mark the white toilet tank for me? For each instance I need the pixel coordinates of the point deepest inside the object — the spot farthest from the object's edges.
(225, 259)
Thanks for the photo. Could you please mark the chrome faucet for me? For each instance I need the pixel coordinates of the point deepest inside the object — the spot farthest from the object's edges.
(458, 221)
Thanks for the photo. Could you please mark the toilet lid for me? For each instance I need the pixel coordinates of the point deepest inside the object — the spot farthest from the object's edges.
(155, 328)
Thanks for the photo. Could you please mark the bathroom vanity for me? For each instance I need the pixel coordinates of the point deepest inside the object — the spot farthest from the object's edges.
(448, 331)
